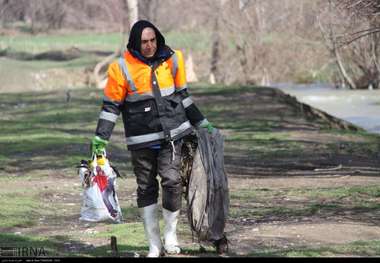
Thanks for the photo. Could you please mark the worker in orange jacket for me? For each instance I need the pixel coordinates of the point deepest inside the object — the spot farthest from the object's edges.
(147, 85)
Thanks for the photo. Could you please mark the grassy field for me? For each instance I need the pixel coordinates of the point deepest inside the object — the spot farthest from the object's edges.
(40, 43)
(45, 75)
(44, 135)
(49, 75)
(96, 42)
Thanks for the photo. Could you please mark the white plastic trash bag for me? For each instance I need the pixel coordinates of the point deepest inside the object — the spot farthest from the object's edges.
(100, 201)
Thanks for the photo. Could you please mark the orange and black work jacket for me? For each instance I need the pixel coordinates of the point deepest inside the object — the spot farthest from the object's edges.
(152, 97)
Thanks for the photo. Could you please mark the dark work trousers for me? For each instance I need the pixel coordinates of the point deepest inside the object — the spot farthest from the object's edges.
(147, 163)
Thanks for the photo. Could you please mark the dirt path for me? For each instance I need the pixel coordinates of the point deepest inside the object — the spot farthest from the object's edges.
(309, 231)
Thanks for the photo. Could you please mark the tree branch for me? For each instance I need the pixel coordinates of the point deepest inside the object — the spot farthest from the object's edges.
(346, 43)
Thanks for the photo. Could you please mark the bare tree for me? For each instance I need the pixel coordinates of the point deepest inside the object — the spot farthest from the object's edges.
(11, 11)
(99, 71)
(331, 44)
(42, 15)
(148, 9)
(236, 41)
(352, 36)
(133, 9)
(215, 74)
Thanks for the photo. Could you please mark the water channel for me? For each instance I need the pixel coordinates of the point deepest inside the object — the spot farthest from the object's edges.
(360, 107)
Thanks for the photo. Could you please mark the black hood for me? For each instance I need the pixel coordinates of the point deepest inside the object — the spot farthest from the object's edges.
(134, 42)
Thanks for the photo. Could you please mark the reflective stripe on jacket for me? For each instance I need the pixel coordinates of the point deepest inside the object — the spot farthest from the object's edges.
(148, 119)
(139, 77)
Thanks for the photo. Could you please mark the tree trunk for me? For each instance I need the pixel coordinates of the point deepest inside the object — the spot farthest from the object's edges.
(331, 39)
(215, 54)
(133, 10)
(215, 76)
(376, 54)
(341, 68)
(191, 76)
(347, 79)
(241, 50)
(99, 73)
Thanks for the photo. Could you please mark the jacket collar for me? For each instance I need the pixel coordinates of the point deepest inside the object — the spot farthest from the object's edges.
(161, 55)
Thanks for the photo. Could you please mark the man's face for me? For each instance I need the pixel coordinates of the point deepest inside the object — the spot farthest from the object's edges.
(148, 42)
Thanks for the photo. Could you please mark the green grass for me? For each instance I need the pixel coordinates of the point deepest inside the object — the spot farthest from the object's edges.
(263, 144)
(41, 43)
(366, 143)
(49, 75)
(43, 75)
(47, 245)
(25, 201)
(44, 122)
(130, 236)
(262, 136)
(195, 41)
(45, 126)
(96, 41)
(18, 210)
(305, 202)
(357, 248)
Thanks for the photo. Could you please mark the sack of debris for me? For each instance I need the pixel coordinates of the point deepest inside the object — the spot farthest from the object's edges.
(100, 201)
(206, 186)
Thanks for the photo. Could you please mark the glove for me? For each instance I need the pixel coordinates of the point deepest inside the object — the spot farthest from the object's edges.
(208, 126)
(98, 145)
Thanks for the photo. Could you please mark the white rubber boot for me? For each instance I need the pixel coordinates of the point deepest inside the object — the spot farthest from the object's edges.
(170, 236)
(152, 229)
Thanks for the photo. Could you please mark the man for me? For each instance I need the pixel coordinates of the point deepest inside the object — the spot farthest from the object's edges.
(148, 86)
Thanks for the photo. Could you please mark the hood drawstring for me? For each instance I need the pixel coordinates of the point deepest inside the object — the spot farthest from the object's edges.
(173, 150)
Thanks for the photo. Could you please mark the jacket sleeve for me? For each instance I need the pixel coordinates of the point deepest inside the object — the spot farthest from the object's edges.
(194, 115)
(179, 71)
(114, 94)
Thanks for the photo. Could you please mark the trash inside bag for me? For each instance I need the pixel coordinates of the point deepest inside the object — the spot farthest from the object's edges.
(100, 202)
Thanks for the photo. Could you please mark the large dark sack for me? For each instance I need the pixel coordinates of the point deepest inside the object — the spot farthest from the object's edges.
(206, 186)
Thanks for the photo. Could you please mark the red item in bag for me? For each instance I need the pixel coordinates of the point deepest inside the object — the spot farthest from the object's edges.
(101, 179)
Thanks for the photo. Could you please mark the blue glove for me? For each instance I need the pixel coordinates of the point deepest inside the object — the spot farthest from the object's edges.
(208, 126)
(98, 145)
